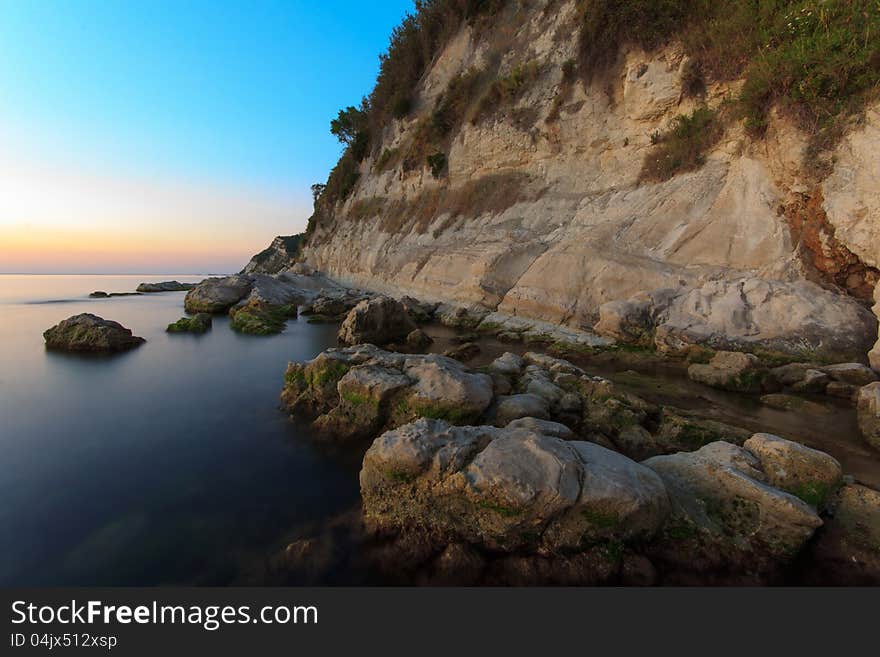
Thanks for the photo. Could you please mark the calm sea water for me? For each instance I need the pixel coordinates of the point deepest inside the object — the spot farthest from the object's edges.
(169, 464)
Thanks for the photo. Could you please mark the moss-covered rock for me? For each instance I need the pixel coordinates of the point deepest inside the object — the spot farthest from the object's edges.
(90, 333)
(261, 319)
(199, 323)
(730, 370)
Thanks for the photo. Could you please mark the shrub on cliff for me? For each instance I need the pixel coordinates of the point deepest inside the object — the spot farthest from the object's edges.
(412, 48)
(684, 146)
(817, 60)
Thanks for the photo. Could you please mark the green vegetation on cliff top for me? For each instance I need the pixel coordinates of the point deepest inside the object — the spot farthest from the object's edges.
(817, 61)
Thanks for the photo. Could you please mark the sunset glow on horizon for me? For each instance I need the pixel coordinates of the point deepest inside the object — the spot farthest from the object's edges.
(154, 137)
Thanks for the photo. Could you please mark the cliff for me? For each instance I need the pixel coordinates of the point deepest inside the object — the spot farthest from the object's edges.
(523, 177)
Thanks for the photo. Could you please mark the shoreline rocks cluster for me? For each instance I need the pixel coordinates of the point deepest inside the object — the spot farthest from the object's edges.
(536, 468)
(746, 373)
(354, 392)
(257, 304)
(520, 491)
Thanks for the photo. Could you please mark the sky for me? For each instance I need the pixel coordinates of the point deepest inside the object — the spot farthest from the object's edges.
(151, 136)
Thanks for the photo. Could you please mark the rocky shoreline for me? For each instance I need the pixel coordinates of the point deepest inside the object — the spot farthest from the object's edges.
(529, 469)
(518, 487)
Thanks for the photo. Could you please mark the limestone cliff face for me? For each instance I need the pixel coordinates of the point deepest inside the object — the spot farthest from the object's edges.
(541, 211)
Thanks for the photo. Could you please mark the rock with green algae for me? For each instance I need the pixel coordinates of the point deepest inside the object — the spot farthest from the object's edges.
(90, 333)
(261, 319)
(725, 511)
(784, 402)
(376, 389)
(730, 370)
(199, 323)
(510, 489)
(804, 472)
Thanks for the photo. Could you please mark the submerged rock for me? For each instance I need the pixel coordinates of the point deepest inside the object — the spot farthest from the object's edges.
(98, 294)
(868, 404)
(380, 320)
(734, 371)
(165, 286)
(464, 352)
(88, 332)
(199, 323)
(418, 339)
(793, 403)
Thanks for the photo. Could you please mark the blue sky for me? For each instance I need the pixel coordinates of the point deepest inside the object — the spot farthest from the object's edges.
(158, 99)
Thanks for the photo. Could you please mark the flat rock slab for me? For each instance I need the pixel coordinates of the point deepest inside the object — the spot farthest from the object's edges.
(165, 286)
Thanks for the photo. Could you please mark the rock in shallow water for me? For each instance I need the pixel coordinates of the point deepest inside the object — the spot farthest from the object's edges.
(91, 333)
(519, 490)
(806, 473)
(376, 321)
(200, 323)
(165, 286)
(507, 489)
(217, 295)
(729, 370)
(724, 509)
(868, 403)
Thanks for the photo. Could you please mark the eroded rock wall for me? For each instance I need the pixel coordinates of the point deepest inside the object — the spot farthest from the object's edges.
(584, 230)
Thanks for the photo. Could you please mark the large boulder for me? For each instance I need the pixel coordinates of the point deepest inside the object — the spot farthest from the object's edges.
(445, 389)
(847, 551)
(728, 370)
(380, 321)
(868, 404)
(855, 374)
(726, 511)
(218, 295)
(807, 473)
(364, 394)
(88, 332)
(274, 291)
(507, 489)
(360, 390)
(748, 314)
